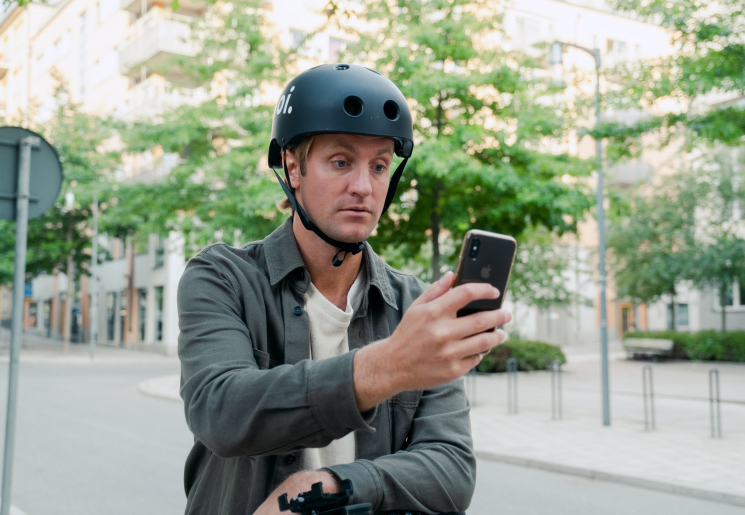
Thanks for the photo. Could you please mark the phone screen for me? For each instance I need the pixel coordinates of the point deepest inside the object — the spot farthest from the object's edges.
(485, 257)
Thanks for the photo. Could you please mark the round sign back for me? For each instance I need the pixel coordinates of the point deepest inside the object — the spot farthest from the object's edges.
(46, 173)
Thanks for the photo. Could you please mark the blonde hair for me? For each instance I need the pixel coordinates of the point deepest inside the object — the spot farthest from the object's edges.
(301, 151)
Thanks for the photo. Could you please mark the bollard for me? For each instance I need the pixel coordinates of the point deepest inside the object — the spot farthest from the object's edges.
(512, 385)
(714, 399)
(648, 394)
(556, 404)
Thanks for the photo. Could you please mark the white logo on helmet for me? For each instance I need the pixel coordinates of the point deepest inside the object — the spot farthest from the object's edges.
(283, 106)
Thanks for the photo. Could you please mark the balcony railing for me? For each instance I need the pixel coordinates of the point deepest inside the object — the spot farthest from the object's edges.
(155, 36)
(4, 65)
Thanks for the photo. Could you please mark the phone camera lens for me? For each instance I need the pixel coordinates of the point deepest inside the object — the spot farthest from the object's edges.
(475, 245)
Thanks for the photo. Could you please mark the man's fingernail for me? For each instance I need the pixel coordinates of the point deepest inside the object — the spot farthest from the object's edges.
(496, 292)
(501, 333)
(445, 278)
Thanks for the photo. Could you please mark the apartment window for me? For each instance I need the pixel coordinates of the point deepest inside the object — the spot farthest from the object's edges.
(158, 313)
(296, 38)
(528, 33)
(160, 253)
(83, 43)
(141, 313)
(110, 315)
(106, 8)
(336, 48)
(106, 66)
(681, 316)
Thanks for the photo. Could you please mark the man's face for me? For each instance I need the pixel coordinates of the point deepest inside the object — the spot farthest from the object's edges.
(345, 185)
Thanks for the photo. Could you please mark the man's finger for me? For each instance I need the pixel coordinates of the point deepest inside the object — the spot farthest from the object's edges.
(476, 323)
(460, 296)
(480, 343)
(436, 289)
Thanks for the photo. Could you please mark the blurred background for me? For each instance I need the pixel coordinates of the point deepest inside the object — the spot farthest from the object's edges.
(161, 114)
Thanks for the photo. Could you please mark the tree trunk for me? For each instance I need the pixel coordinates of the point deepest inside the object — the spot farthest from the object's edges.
(672, 308)
(70, 291)
(435, 227)
(435, 217)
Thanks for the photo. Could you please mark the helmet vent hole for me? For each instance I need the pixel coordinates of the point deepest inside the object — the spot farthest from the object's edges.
(391, 110)
(342, 67)
(353, 106)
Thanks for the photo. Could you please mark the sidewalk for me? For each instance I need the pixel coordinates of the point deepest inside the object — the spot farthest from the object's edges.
(37, 349)
(679, 457)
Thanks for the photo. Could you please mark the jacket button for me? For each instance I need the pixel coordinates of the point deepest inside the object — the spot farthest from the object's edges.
(290, 459)
(297, 310)
(299, 275)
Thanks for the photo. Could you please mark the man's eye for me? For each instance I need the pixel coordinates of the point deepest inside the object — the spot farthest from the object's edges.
(379, 168)
(340, 163)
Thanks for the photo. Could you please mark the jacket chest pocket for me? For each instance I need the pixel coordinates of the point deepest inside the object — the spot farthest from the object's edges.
(263, 360)
(402, 409)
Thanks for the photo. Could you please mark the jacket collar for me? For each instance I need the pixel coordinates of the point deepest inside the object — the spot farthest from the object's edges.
(283, 257)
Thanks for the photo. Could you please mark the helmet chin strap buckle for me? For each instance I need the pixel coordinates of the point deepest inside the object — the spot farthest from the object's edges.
(345, 247)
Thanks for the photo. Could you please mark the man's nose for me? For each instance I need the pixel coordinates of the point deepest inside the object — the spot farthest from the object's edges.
(359, 182)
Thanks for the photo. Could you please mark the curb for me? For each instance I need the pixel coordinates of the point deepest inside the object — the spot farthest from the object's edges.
(700, 493)
(164, 387)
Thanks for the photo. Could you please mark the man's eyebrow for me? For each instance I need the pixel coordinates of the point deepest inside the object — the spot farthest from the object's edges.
(384, 151)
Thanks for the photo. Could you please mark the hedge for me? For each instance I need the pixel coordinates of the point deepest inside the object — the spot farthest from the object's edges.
(702, 345)
(530, 355)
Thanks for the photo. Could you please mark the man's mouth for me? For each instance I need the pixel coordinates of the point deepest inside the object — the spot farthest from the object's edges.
(357, 209)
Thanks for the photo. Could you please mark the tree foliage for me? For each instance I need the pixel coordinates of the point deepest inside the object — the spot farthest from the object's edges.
(482, 128)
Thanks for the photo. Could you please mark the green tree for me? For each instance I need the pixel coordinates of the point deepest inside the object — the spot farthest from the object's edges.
(60, 238)
(707, 58)
(481, 127)
(652, 242)
(720, 234)
(221, 188)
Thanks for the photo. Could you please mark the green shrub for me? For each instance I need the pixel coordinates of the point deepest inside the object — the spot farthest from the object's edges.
(703, 345)
(530, 355)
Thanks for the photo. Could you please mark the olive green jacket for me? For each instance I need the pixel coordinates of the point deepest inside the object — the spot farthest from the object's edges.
(254, 399)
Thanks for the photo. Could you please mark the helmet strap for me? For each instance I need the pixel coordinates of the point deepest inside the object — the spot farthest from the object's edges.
(394, 184)
(346, 248)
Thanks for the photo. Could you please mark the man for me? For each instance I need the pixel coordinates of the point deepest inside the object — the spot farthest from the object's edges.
(306, 358)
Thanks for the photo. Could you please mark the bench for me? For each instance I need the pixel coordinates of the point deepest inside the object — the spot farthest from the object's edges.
(647, 347)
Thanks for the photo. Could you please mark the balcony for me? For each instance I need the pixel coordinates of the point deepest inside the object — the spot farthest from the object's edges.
(156, 37)
(191, 6)
(154, 96)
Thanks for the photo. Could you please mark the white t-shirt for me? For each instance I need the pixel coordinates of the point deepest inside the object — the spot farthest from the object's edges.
(328, 338)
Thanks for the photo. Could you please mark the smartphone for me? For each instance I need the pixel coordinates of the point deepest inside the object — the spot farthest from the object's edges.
(485, 257)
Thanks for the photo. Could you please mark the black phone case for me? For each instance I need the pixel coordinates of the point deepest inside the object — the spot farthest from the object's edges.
(492, 265)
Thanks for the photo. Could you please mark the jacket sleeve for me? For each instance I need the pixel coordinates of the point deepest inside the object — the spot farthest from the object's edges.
(233, 407)
(436, 473)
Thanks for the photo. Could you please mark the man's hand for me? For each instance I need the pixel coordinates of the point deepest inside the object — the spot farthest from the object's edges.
(297, 484)
(431, 345)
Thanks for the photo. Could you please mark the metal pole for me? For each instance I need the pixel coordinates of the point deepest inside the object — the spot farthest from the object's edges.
(715, 404)
(22, 196)
(648, 393)
(94, 282)
(556, 405)
(512, 385)
(601, 250)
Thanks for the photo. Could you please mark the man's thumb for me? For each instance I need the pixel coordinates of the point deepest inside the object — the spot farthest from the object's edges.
(435, 290)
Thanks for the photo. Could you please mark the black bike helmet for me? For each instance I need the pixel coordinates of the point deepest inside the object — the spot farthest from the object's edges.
(340, 98)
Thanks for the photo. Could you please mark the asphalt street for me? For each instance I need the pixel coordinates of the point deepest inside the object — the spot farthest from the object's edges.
(88, 443)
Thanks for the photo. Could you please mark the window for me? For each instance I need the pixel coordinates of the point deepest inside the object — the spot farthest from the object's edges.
(141, 313)
(158, 313)
(681, 316)
(110, 315)
(296, 38)
(529, 32)
(106, 8)
(336, 48)
(106, 66)
(160, 253)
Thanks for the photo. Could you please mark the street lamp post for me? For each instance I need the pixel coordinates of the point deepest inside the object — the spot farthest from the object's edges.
(556, 59)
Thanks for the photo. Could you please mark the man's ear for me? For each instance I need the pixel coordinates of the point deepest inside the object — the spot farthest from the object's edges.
(293, 168)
